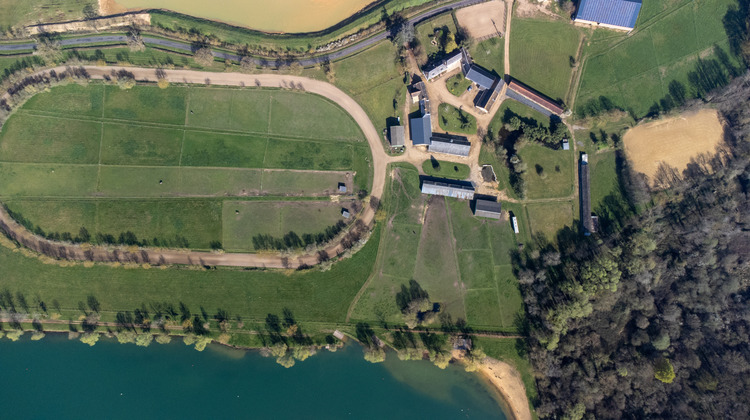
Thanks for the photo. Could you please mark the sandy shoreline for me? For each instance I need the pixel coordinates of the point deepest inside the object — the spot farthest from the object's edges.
(508, 382)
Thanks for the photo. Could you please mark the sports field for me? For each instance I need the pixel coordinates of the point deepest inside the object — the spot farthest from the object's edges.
(671, 40)
(474, 279)
(162, 163)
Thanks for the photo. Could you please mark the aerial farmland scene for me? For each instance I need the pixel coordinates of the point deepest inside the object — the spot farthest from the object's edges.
(487, 209)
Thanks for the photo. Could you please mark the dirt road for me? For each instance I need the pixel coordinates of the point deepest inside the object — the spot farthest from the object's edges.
(156, 256)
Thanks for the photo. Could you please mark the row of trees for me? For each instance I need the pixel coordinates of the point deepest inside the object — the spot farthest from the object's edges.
(292, 240)
(651, 320)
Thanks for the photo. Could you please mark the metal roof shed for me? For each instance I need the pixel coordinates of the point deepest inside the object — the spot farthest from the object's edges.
(615, 14)
(480, 76)
(487, 208)
(421, 130)
(451, 145)
(397, 135)
(448, 188)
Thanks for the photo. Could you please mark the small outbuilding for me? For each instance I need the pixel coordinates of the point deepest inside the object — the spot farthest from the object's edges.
(342, 188)
(514, 221)
(345, 213)
(487, 208)
(396, 135)
(565, 144)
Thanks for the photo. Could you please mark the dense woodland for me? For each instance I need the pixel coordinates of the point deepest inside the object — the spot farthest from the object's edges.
(651, 318)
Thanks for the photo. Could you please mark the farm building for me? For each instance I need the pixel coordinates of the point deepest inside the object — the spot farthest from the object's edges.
(416, 90)
(514, 220)
(345, 213)
(614, 14)
(487, 208)
(485, 98)
(586, 219)
(421, 127)
(448, 188)
(342, 188)
(449, 63)
(533, 99)
(565, 144)
(450, 144)
(478, 75)
(396, 135)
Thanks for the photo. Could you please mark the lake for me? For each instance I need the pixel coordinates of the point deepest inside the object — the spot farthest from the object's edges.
(59, 378)
(264, 15)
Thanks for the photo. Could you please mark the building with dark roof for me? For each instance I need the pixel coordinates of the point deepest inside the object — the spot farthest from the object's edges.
(487, 208)
(480, 76)
(448, 188)
(613, 14)
(421, 127)
(486, 98)
(587, 221)
(532, 98)
(450, 144)
(396, 135)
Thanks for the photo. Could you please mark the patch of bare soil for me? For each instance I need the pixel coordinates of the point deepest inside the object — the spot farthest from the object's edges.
(110, 7)
(532, 8)
(483, 20)
(673, 142)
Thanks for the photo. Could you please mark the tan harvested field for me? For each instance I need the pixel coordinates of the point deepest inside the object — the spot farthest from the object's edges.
(673, 141)
(483, 20)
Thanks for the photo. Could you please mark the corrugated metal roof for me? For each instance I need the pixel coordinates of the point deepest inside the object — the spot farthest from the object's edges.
(528, 102)
(488, 96)
(421, 130)
(397, 135)
(534, 96)
(612, 12)
(480, 76)
(448, 189)
(448, 144)
(487, 208)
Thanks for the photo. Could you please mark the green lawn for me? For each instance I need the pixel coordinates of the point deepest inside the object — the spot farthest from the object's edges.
(550, 172)
(158, 151)
(549, 218)
(540, 52)
(15, 13)
(634, 71)
(242, 220)
(490, 54)
(457, 84)
(446, 169)
(455, 121)
(426, 29)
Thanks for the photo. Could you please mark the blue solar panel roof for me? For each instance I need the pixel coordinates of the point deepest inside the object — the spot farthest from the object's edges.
(612, 12)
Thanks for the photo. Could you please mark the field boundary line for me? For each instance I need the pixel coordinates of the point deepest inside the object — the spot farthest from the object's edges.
(229, 168)
(454, 247)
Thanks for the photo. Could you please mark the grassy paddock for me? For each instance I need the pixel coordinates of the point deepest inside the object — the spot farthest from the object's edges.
(14, 13)
(549, 218)
(446, 169)
(550, 172)
(455, 121)
(490, 54)
(540, 52)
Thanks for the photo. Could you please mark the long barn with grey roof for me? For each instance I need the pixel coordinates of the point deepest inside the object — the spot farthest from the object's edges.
(450, 144)
(532, 98)
(613, 14)
(448, 188)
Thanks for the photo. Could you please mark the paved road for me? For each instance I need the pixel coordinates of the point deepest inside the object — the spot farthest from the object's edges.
(269, 260)
(187, 47)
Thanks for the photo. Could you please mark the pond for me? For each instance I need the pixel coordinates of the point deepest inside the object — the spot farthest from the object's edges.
(59, 378)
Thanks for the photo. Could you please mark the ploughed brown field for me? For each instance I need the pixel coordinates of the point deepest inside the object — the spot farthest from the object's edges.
(673, 141)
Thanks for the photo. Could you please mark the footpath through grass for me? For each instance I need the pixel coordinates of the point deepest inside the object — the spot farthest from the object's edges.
(160, 163)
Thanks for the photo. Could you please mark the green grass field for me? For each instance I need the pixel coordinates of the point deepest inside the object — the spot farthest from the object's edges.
(473, 280)
(23, 12)
(634, 71)
(549, 218)
(457, 84)
(165, 160)
(490, 54)
(455, 121)
(446, 169)
(540, 52)
(550, 172)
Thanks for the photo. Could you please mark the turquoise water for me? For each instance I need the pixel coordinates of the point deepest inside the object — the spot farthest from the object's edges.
(62, 379)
